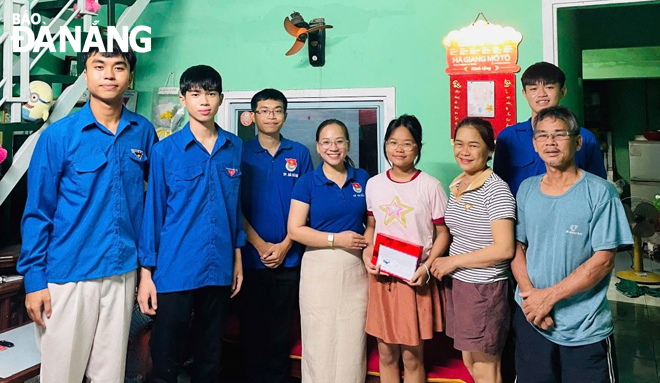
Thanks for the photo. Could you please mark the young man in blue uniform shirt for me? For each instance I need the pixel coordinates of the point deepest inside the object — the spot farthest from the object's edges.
(81, 224)
(515, 159)
(271, 166)
(191, 234)
(570, 224)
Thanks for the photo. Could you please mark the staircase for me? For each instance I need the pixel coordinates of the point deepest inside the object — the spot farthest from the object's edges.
(17, 68)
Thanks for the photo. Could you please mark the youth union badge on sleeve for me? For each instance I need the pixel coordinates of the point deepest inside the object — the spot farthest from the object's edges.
(291, 164)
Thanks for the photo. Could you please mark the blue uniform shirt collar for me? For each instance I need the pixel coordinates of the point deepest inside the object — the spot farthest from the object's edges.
(257, 148)
(525, 127)
(285, 143)
(321, 179)
(187, 137)
(87, 118)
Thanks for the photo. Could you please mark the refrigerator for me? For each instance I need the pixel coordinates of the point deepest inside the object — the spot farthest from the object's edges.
(644, 169)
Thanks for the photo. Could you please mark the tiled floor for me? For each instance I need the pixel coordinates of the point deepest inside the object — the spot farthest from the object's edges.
(637, 329)
(623, 261)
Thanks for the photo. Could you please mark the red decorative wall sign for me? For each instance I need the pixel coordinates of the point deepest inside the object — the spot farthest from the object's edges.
(464, 103)
(482, 47)
(481, 62)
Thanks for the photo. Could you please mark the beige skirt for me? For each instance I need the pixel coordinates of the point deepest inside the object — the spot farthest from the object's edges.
(333, 309)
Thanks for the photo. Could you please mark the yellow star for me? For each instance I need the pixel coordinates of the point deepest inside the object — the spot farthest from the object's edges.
(396, 210)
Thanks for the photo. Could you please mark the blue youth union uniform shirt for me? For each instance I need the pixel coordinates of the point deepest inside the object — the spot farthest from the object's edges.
(515, 158)
(266, 194)
(333, 209)
(192, 220)
(85, 199)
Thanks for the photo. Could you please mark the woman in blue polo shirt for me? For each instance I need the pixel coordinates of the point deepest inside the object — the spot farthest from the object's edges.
(333, 280)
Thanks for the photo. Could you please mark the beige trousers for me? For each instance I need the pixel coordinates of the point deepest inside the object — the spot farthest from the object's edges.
(87, 333)
(333, 310)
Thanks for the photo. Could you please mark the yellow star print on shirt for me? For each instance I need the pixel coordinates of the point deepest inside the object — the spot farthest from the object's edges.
(396, 210)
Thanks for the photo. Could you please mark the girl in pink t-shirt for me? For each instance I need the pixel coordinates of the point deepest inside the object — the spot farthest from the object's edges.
(408, 204)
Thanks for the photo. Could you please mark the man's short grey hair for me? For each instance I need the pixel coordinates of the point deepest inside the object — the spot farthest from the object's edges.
(561, 113)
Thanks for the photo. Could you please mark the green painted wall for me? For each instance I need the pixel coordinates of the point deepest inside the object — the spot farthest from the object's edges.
(620, 63)
(569, 55)
(627, 117)
(653, 104)
(374, 43)
(635, 25)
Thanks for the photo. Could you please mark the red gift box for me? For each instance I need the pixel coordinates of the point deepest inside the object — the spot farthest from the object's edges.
(397, 244)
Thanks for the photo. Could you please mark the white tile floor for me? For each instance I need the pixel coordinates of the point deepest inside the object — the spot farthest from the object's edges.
(623, 261)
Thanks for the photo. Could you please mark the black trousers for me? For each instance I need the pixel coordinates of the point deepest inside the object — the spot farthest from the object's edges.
(267, 305)
(508, 365)
(538, 360)
(197, 317)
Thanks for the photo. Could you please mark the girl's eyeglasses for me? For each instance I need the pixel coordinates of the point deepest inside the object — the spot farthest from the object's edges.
(407, 145)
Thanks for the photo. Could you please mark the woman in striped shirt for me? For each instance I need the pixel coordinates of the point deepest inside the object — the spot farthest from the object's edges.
(480, 216)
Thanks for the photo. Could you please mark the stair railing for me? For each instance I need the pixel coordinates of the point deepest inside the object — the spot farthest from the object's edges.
(7, 84)
(18, 64)
(62, 108)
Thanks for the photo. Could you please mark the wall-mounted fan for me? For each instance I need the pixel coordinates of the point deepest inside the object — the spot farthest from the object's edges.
(314, 31)
(642, 217)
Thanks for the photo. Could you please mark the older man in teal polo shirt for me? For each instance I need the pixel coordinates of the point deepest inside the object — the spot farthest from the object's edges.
(570, 224)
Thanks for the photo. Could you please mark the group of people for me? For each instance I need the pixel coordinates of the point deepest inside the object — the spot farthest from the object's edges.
(254, 220)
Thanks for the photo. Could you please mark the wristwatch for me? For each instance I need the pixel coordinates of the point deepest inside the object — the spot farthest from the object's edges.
(331, 240)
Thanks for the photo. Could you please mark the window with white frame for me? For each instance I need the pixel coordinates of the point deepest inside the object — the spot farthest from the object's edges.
(366, 113)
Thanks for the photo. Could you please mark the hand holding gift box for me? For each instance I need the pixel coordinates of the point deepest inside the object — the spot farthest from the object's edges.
(396, 257)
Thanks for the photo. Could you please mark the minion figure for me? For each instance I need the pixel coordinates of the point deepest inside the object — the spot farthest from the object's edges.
(41, 99)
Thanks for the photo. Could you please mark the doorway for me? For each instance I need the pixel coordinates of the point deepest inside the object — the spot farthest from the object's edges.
(602, 46)
(610, 52)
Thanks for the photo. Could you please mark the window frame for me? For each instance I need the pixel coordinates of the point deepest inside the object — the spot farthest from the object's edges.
(382, 98)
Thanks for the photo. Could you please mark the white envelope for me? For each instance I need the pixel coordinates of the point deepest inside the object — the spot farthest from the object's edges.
(396, 263)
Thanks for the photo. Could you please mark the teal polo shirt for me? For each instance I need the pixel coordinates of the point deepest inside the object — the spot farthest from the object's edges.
(562, 232)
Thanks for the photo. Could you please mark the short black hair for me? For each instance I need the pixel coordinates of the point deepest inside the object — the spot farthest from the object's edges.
(543, 73)
(411, 123)
(483, 127)
(116, 50)
(268, 94)
(200, 77)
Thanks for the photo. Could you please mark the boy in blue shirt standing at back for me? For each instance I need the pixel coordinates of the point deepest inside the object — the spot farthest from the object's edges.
(191, 234)
(515, 159)
(271, 166)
